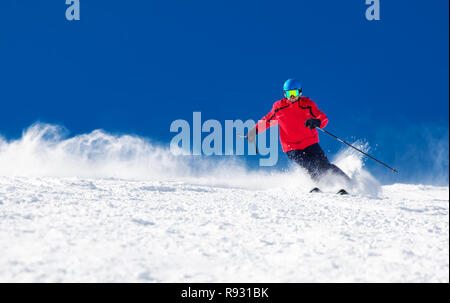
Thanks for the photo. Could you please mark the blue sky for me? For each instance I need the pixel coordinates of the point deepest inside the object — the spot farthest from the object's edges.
(135, 66)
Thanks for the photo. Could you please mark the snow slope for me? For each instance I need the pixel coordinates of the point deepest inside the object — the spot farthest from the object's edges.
(112, 230)
(107, 208)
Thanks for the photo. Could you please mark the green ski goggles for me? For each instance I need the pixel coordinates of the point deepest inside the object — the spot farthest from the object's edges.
(292, 93)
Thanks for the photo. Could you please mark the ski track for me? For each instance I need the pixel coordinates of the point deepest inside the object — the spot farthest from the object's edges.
(113, 230)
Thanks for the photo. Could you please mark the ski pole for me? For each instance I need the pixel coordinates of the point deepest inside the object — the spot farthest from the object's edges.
(393, 169)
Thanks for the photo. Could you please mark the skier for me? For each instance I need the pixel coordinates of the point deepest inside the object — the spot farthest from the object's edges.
(297, 117)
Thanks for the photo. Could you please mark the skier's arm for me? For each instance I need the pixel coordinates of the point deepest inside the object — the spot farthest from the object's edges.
(267, 121)
(318, 114)
(263, 124)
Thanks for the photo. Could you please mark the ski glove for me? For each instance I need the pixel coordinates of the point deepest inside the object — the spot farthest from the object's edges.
(313, 123)
(251, 135)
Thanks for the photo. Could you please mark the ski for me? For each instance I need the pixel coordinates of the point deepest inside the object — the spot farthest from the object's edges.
(315, 190)
(342, 192)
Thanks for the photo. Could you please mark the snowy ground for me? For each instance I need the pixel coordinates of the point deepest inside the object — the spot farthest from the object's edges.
(135, 212)
(116, 230)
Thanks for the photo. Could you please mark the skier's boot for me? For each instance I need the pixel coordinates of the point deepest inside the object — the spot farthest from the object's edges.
(315, 190)
(342, 192)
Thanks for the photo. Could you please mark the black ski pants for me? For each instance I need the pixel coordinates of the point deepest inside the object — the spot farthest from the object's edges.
(313, 159)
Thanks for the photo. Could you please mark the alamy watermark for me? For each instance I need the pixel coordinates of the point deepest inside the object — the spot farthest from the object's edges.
(73, 11)
(373, 11)
(214, 142)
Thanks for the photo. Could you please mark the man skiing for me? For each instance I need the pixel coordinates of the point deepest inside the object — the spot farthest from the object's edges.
(297, 117)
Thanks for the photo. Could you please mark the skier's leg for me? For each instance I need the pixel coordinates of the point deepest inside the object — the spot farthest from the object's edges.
(296, 155)
(303, 159)
(317, 161)
(320, 161)
(337, 171)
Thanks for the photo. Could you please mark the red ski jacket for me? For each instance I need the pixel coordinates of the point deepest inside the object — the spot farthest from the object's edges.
(291, 119)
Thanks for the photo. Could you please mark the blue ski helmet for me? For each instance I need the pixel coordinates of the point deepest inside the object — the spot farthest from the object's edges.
(292, 84)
